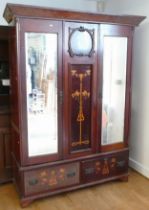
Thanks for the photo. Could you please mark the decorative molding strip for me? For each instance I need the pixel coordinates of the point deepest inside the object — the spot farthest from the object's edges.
(139, 167)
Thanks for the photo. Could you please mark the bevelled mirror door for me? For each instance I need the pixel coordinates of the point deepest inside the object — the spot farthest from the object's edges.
(114, 85)
(41, 83)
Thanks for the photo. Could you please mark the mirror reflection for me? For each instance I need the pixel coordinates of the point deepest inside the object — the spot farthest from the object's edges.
(41, 82)
(114, 83)
(81, 42)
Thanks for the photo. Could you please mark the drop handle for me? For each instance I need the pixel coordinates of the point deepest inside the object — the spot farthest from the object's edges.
(61, 96)
(100, 95)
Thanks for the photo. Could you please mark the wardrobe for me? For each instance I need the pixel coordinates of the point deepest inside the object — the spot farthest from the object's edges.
(70, 98)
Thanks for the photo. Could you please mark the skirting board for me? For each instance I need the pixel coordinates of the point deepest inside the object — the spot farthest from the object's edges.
(139, 167)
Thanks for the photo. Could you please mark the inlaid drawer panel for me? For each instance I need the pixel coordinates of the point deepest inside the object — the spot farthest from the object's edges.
(104, 167)
(51, 178)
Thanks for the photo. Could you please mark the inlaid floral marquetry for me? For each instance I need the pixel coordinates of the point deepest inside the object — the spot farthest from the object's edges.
(80, 95)
(101, 168)
(80, 101)
(50, 178)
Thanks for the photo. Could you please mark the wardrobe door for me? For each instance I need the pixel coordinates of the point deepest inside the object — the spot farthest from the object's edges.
(40, 72)
(80, 74)
(115, 86)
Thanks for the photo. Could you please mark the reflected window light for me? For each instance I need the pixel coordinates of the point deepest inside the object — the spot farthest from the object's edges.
(41, 82)
(114, 83)
(81, 42)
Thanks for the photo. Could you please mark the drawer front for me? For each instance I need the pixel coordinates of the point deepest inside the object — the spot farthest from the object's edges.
(104, 167)
(51, 178)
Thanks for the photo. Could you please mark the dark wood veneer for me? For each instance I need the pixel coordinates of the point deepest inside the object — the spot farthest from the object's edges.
(5, 134)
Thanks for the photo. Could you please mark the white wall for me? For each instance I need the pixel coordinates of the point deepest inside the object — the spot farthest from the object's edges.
(139, 136)
(65, 4)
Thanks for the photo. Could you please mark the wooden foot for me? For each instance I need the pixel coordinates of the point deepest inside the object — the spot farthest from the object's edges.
(25, 203)
(124, 178)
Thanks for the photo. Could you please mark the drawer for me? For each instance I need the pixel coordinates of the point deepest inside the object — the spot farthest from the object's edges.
(104, 167)
(51, 178)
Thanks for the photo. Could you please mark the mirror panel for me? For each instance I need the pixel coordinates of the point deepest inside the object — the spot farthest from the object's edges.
(41, 82)
(81, 41)
(114, 85)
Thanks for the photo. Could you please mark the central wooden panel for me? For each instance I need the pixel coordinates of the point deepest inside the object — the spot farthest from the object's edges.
(80, 77)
